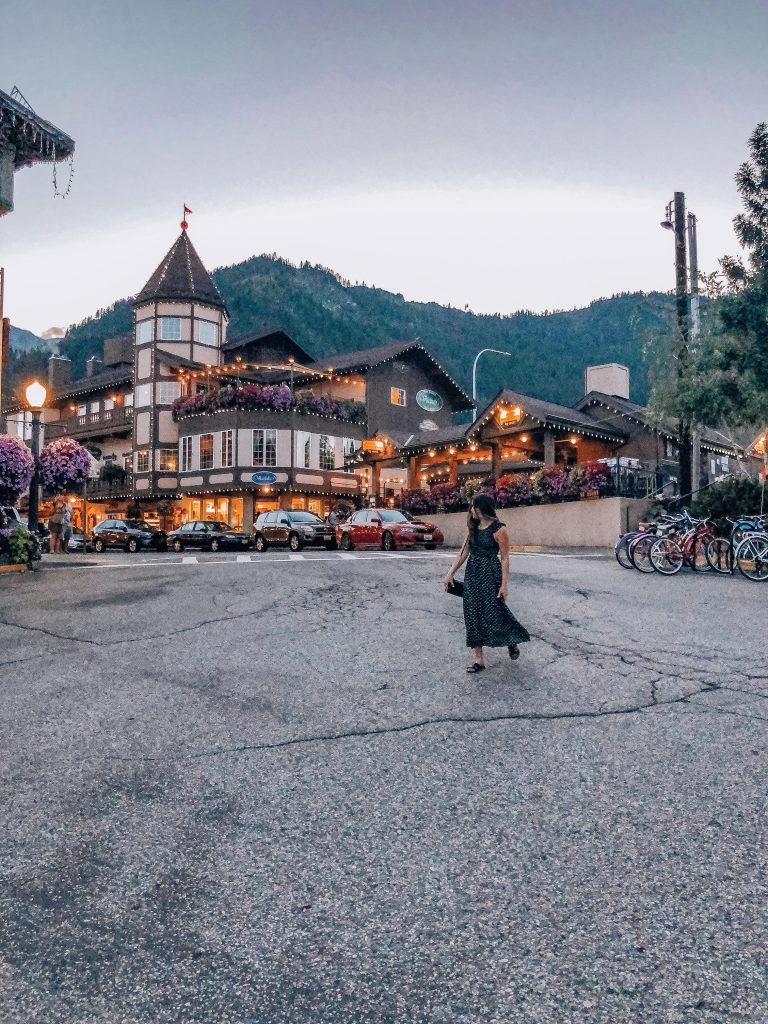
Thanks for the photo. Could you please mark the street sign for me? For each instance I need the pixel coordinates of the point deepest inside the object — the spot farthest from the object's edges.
(264, 477)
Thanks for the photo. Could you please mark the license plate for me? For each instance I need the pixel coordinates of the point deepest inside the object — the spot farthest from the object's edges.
(427, 536)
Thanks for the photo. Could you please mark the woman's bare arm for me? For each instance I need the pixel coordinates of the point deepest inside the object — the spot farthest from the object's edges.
(502, 539)
(458, 561)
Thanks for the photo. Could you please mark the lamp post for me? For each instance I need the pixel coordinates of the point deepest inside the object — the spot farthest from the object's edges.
(498, 352)
(675, 220)
(36, 396)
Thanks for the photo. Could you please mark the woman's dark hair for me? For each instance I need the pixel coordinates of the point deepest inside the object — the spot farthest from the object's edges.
(485, 505)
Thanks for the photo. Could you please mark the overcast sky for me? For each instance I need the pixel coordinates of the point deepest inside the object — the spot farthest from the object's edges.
(502, 154)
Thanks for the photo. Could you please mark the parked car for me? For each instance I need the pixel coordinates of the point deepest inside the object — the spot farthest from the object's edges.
(208, 537)
(294, 528)
(128, 534)
(386, 528)
(78, 543)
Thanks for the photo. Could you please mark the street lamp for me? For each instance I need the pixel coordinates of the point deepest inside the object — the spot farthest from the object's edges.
(498, 352)
(36, 396)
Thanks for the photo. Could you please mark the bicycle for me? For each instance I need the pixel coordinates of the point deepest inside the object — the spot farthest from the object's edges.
(669, 554)
(751, 556)
(721, 550)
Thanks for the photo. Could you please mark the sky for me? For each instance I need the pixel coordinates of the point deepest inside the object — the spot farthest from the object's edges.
(498, 155)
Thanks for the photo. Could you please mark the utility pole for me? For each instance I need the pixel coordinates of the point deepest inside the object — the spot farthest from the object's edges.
(693, 275)
(677, 222)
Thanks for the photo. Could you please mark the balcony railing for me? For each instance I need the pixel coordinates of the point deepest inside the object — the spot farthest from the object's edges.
(105, 421)
(104, 488)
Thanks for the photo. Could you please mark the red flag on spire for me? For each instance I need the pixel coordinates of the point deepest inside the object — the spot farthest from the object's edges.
(187, 209)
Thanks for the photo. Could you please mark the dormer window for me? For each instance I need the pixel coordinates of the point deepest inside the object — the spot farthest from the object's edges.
(207, 332)
(169, 328)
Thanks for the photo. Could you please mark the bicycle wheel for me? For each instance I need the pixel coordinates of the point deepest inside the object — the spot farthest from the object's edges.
(620, 549)
(639, 551)
(720, 555)
(666, 556)
(752, 558)
(699, 560)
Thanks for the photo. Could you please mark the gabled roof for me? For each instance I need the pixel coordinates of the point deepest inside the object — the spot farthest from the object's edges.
(552, 415)
(366, 358)
(710, 437)
(181, 277)
(272, 334)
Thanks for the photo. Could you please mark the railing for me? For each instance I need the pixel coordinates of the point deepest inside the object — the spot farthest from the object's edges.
(118, 419)
(104, 488)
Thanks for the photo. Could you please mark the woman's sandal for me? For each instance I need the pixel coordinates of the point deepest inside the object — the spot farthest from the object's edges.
(476, 668)
(514, 652)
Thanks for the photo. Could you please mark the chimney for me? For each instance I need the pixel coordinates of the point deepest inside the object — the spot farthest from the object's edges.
(59, 372)
(93, 365)
(609, 378)
(118, 350)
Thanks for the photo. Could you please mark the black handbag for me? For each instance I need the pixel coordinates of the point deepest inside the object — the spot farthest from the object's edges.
(455, 587)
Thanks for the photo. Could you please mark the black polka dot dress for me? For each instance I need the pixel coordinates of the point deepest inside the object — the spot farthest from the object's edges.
(489, 621)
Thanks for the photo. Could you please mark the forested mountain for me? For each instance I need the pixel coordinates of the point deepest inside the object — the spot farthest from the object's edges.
(327, 314)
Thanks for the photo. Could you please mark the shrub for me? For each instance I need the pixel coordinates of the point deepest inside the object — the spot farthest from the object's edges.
(551, 483)
(447, 496)
(269, 396)
(16, 468)
(64, 466)
(112, 471)
(730, 497)
(591, 478)
(417, 502)
(513, 490)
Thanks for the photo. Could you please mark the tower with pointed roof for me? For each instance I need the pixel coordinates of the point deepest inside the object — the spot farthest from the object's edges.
(180, 320)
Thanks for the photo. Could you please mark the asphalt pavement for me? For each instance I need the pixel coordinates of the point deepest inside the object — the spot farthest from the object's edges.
(265, 791)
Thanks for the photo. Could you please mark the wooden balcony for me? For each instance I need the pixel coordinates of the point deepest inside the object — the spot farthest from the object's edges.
(93, 424)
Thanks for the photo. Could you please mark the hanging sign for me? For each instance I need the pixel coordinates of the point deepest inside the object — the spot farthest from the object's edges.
(430, 401)
(264, 477)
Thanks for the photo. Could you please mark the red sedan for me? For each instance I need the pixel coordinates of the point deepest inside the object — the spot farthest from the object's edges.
(386, 528)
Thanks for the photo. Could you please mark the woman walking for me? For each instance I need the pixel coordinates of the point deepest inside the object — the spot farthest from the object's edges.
(489, 621)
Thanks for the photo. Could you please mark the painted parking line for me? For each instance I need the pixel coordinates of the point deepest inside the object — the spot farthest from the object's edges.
(308, 559)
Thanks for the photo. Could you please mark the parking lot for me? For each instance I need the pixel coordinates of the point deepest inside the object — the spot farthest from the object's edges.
(261, 788)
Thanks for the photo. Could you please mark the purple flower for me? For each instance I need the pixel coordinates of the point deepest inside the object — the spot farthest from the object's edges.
(64, 465)
(16, 468)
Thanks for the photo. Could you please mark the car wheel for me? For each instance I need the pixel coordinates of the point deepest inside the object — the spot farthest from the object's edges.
(98, 546)
(177, 545)
(295, 543)
(346, 542)
(215, 545)
(132, 545)
(260, 543)
(388, 542)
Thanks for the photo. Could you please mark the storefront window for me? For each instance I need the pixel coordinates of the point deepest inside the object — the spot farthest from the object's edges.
(327, 452)
(265, 448)
(206, 451)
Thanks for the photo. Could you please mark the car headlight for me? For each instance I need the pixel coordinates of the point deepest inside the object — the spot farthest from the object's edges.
(307, 529)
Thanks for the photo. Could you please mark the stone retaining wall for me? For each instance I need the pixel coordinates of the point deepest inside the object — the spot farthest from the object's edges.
(573, 524)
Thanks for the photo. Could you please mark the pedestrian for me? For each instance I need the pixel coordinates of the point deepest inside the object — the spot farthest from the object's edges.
(489, 621)
(55, 522)
(66, 526)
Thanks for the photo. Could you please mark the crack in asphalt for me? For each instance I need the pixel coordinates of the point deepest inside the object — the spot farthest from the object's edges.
(525, 716)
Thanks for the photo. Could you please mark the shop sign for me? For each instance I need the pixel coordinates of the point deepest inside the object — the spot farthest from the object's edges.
(264, 477)
(373, 445)
(430, 401)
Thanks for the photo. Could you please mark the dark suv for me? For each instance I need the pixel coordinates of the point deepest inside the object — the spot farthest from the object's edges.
(296, 529)
(128, 534)
(210, 536)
